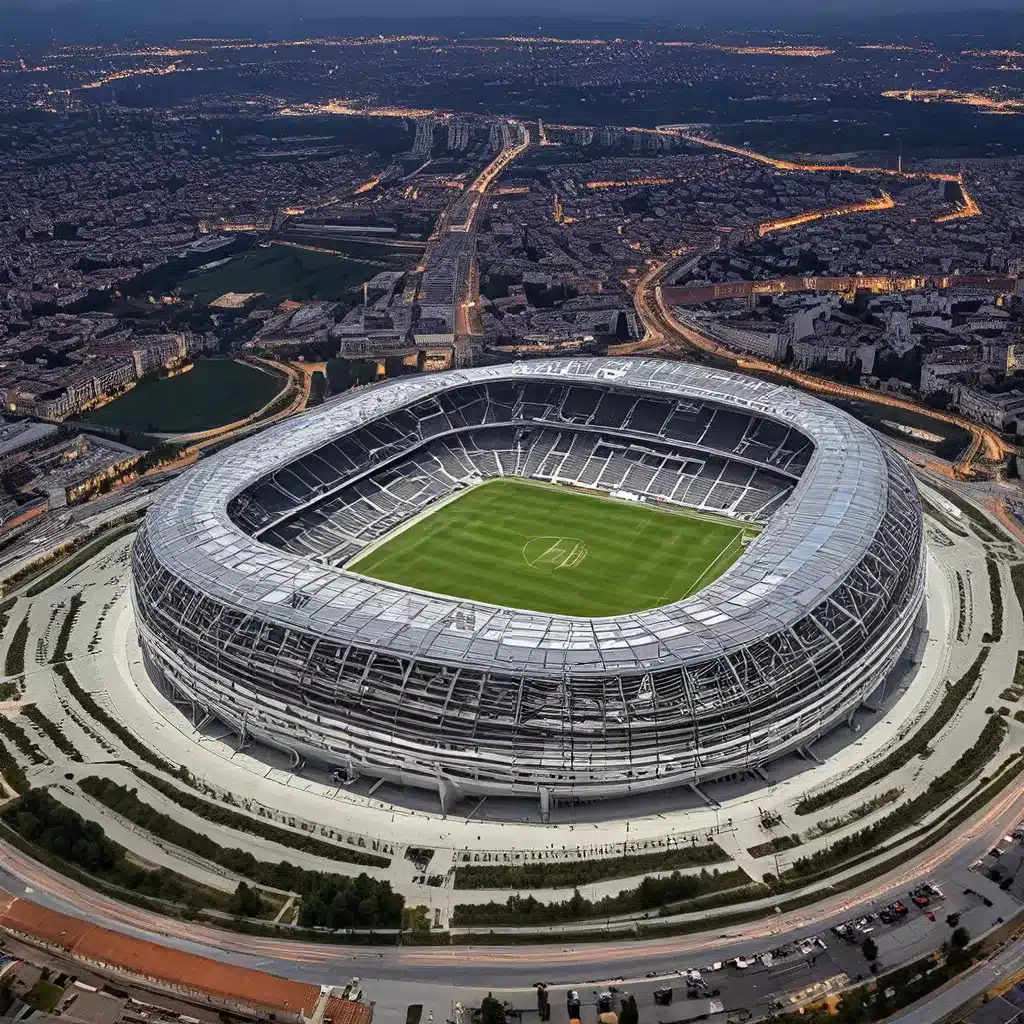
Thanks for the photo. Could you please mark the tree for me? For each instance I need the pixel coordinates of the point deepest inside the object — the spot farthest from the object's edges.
(870, 949)
(245, 902)
(491, 1011)
(960, 938)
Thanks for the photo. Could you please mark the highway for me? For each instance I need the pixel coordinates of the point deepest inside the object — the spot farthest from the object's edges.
(518, 965)
(467, 320)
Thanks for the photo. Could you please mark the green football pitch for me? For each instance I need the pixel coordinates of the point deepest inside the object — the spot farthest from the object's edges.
(548, 549)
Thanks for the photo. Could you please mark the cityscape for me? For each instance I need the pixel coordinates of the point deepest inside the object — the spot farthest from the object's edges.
(511, 515)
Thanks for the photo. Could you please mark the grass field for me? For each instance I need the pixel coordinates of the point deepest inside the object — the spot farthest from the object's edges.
(526, 545)
(212, 393)
(282, 272)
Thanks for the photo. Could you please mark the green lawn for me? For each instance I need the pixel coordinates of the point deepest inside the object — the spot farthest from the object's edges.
(527, 545)
(212, 393)
(282, 272)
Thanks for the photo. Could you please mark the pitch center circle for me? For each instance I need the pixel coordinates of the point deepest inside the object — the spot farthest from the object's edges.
(550, 553)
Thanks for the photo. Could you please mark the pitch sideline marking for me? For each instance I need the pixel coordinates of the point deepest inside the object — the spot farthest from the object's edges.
(714, 561)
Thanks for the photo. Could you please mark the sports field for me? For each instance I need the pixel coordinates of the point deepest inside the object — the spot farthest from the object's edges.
(527, 545)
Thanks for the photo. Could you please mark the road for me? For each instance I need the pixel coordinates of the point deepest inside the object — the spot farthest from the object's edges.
(467, 322)
(661, 326)
(510, 966)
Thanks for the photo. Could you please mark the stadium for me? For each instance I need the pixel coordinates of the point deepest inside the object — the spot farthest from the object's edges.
(566, 580)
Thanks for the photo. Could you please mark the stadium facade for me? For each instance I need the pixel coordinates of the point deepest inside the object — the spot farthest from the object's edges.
(246, 611)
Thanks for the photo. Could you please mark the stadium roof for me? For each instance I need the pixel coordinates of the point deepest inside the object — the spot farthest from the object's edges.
(804, 552)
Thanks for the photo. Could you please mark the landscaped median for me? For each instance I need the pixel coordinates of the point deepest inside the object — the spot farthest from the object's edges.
(220, 815)
(942, 788)
(561, 874)
(66, 842)
(328, 900)
(650, 894)
(956, 693)
(918, 842)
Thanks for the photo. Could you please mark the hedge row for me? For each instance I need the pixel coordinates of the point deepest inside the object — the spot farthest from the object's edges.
(648, 895)
(939, 790)
(17, 736)
(60, 650)
(995, 591)
(335, 901)
(827, 825)
(1017, 577)
(57, 737)
(562, 874)
(112, 725)
(954, 696)
(11, 771)
(81, 849)
(14, 663)
(776, 845)
(5, 607)
(221, 815)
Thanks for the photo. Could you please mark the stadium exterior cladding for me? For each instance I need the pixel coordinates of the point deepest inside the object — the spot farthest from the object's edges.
(246, 612)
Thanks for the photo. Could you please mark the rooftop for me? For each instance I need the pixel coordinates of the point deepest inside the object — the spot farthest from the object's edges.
(802, 555)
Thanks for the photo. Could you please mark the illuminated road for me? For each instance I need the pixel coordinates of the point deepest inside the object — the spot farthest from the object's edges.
(660, 325)
(467, 322)
(789, 165)
(883, 202)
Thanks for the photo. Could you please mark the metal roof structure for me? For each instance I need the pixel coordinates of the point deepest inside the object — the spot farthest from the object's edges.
(830, 521)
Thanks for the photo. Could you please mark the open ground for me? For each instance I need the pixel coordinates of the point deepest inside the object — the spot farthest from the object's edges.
(212, 393)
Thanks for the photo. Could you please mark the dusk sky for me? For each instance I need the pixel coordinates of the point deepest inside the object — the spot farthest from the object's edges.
(676, 11)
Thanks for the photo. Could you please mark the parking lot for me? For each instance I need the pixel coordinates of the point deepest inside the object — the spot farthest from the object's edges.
(793, 973)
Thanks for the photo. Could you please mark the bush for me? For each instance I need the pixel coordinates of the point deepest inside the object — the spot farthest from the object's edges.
(491, 1011)
(16, 735)
(57, 737)
(14, 663)
(255, 826)
(995, 591)
(650, 894)
(11, 771)
(1018, 672)
(1017, 578)
(246, 902)
(113, 726)
(60, 650)
(954, 696)
(562, 874)
(939, 790)
(331, 901)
